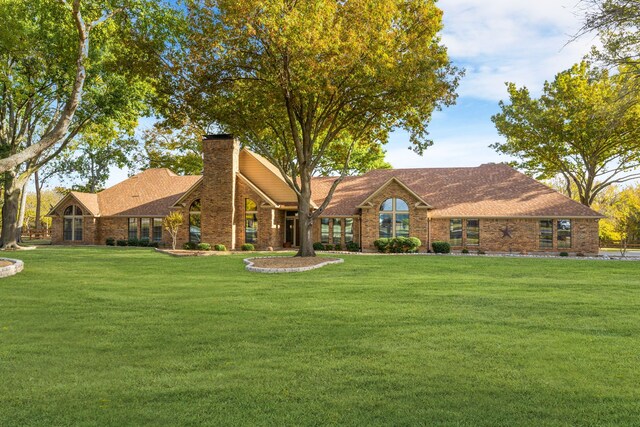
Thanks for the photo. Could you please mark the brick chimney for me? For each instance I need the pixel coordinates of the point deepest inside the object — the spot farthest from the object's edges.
(220, 156)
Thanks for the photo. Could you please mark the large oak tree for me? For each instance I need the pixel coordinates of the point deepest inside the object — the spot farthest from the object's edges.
(296, 79)
(585, 126)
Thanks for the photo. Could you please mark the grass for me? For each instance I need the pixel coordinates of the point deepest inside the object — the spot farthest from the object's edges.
(125, 336)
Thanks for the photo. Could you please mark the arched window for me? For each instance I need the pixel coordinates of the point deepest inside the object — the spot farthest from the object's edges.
(250, 221)
(72, 223)
(194, 222)
(394, 218)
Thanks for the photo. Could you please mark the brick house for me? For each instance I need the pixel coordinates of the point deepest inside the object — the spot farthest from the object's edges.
(241, 197)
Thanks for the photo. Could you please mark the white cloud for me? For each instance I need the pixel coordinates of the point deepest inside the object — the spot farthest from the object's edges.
(525, 42)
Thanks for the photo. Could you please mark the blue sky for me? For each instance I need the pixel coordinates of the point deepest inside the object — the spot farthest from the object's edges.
(495, 41)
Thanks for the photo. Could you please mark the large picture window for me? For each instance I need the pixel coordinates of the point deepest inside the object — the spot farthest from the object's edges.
(394, 218)
(250, 221)
(72, 223)
(348, 230)
(145, 228)
(564, 233)
(194, 222)
(473, 232)
(455, 232)
(337, 231)
(546, 233)
(133, 228)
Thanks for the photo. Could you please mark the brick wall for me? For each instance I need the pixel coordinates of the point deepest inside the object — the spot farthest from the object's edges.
(270, 221)
(90, 228)
(524, 235)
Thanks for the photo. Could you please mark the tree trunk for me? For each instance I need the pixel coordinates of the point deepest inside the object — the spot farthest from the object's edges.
(38, 200)
(305, 222)
(10, 212)
(23, 209)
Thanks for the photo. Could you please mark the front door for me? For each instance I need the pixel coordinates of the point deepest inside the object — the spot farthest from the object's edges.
(292, 231)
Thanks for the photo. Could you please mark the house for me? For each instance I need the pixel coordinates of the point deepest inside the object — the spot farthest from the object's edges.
(241, 197)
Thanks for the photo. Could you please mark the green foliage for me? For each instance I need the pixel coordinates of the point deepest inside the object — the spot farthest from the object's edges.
(203, 246)
(564, 254)
(464, 251)
(318, 246)
(328, 247)
(397, 244)
(189, 246)
(584, 127)
(248, 247)
(121, 242)
(178, 150)
(441, 247)
(110, 241)
(221, 248)
(132, 241)
(353, 247)
(337, 247)
(144, 242)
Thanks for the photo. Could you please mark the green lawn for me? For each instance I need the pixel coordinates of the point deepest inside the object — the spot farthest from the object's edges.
(119, 336)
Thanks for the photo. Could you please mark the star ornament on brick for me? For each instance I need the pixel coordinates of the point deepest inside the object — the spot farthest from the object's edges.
(506, 232)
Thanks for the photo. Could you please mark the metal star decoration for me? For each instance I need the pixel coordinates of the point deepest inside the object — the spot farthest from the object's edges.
(506, 232)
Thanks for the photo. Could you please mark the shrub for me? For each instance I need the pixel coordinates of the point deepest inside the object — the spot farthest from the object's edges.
(248, 247)
(221, 248)
(111, 241)
(398, 244)
(328, 247)
(121, 242)
(564, 254)
(153, 244)
(317, 246)
(338, 247)
(144, 242)
(465, 251)
(203, 246)
(441, 247)
(189, 246)
(353, 247)
(133, 242)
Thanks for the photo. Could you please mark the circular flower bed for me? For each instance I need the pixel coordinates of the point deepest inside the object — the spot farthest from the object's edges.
(283, 264)
(10, 267)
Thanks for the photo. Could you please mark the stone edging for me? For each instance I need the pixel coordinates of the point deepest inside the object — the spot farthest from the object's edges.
(251, 267)
(16, 267)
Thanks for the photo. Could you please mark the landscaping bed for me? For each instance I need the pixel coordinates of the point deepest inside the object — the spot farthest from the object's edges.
(285, 264)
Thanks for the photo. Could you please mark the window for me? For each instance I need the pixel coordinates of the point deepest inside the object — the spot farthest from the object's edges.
(473, 232)
(157, 229)
(394, 218)
(194, 222)
(145, 228)
(546, 233)
(133, 228)
(564, 233)
(250, 221)
(324, 230)
(348, 230)
(455, 232)
(72, 223)
(337, 231)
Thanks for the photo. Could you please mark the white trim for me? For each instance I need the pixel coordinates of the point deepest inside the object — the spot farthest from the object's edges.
(178, 203)
(366, 203)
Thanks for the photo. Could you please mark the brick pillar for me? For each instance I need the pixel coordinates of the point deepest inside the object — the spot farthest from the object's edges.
(220, 154)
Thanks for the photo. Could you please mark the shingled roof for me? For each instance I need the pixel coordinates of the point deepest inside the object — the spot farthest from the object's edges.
(491, 190)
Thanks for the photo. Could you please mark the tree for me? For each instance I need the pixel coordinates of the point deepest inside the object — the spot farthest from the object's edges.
(624, 217)
(54, 82)
(178, 150)
(585, 127)
(294, 80)
(172, 224)
(87, 160)
(364, 157)
(616, 22)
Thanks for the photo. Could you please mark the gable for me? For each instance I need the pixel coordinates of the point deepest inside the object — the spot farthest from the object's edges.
(266, 177)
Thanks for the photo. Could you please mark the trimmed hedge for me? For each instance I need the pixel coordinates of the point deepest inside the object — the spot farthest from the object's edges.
(441, 247)
(353, 247)
(398, 245)
(318, 246)
(189, 246)
(248, 247)
(221, 248)
(111, 241)
(203, 247)
(121, 242)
